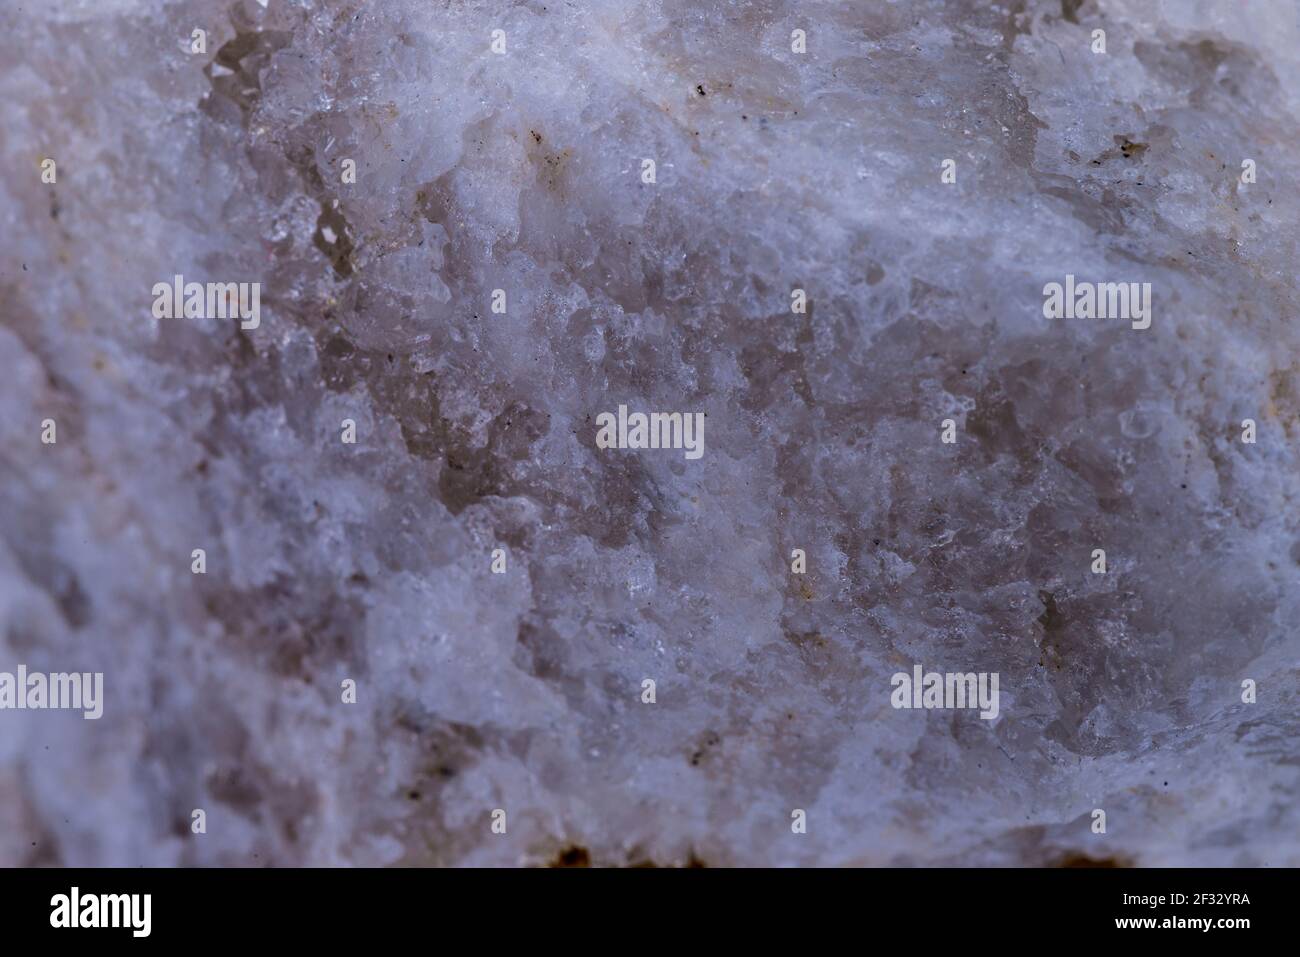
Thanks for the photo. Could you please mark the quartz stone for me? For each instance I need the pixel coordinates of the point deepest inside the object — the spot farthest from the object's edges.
(516, 161)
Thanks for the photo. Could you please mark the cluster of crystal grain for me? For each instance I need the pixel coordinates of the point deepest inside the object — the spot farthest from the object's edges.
(524, 171)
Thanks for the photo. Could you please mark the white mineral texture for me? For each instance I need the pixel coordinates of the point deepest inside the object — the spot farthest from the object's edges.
(774, 170)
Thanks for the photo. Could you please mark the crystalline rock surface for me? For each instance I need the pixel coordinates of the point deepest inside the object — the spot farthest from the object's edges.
(775, 170)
